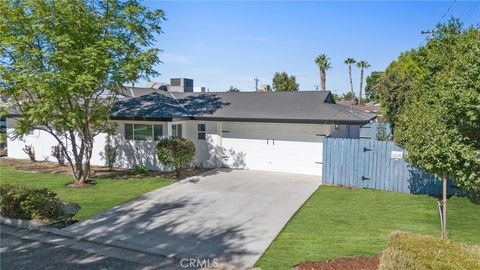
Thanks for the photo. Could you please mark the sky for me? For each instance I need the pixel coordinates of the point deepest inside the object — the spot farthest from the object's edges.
(223, 43)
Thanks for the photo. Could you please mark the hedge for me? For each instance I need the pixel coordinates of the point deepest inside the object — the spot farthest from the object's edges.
(21, 202)
(414, 251)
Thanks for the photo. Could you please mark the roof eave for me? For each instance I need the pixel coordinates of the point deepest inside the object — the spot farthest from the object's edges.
(293, 121)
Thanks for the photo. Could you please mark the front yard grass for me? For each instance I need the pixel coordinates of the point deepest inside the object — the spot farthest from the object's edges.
(104, 195)
(338, 222)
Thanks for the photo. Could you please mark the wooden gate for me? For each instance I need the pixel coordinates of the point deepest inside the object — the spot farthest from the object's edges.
(375, 165)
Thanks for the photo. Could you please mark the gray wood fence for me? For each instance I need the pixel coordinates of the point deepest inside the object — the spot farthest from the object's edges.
(375, 165)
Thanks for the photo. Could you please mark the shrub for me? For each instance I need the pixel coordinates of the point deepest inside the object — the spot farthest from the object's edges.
(140, 169)
(110, 155)
(58, 153)
(414, 251)
(382, 134)
(175, 152)
(30, 151)
(29, 203)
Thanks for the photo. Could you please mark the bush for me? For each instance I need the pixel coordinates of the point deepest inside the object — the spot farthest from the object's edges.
(57, 152)
(175, 152)
(29, 203)
(110, 155)
(140, 169)
(414, 251)
(30, 151)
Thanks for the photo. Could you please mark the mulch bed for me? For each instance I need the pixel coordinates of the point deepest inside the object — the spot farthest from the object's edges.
(98, 172)
(356, 263)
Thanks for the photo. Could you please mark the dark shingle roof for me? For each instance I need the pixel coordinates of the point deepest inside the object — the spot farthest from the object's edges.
(301, 107)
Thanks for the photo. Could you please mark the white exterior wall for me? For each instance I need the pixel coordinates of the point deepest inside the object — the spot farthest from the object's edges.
(296, 145)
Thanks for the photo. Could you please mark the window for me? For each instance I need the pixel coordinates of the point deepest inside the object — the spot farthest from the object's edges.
(177, 130)
(143, 132)
(157, 132)
(201, 131)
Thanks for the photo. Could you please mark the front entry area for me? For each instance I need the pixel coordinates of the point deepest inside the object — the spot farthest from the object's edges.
(289, 148)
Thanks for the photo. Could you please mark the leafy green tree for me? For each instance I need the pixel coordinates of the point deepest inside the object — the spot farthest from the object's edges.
(283, 82)
(396, 84)
(175, 152)
(350, 61)
(371, 87)
(63, 63)
(362, 65)
(440, 122)
(233, 90)
(323, 63)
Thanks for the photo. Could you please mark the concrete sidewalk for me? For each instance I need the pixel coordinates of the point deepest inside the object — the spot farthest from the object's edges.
(34, 249)
(232, 216)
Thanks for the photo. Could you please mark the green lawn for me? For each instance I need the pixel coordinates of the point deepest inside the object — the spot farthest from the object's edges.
(337, 222)
(97, 198)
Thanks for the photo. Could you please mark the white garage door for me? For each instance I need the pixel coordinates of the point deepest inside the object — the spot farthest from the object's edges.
(291, 148)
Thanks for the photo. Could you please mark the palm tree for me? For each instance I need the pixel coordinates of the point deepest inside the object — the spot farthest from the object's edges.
(350, 62)
(362, 65)
(323, 63)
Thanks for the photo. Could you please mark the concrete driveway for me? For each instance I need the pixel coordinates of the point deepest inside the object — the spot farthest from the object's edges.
(229, 215)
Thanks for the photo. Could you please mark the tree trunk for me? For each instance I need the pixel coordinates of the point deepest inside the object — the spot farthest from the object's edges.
(323, 80)
(351, 82)
(178, 172)
(361, 86)
(444, 207)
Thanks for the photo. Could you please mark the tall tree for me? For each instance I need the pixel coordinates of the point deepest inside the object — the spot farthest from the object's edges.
(323, 63)
(371, 87)
(396, 84)
(440, 123)
(283, 82)
(362, 65)
(350, 62)
(63, 62)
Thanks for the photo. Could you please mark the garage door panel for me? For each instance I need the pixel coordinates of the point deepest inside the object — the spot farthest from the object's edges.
(287, 148)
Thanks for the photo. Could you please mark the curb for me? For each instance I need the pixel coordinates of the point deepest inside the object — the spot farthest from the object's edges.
(22, 224)
(35, 225)
(42, 227)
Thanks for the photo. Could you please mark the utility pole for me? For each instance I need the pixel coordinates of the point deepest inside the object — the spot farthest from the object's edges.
(256, 83)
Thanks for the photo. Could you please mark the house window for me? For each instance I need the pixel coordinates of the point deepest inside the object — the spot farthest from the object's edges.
(177, 130)
(157, 132)
(201, 132)
(143, 132)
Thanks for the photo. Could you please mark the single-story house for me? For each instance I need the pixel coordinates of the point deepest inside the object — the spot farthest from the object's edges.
(273, 131)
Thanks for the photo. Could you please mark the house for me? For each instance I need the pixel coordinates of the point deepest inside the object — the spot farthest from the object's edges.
(273, 131)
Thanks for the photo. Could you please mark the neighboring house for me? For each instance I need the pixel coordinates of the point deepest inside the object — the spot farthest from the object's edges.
(274, 131)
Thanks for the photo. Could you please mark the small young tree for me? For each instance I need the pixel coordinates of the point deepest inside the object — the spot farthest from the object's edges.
(30, 151)
(57, 153)
(439, 125)
(175, 152)
(110, 155)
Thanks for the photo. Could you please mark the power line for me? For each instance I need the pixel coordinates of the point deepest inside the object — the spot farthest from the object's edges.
(472, 10)
(423, 41)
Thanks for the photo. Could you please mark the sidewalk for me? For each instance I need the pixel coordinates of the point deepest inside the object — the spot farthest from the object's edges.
(34, 249)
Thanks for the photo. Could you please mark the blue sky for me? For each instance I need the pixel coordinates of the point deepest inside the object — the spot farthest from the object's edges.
(219, 44)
